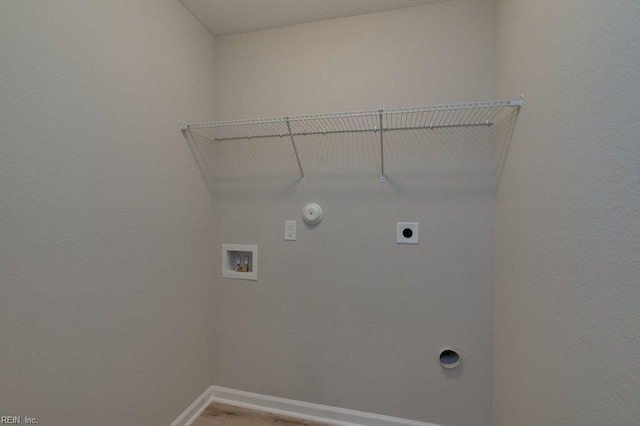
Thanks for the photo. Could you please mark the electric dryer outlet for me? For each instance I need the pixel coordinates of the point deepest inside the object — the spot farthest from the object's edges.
(407, 232)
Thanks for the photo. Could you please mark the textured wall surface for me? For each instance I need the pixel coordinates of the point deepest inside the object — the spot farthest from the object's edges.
(108, 250)
(433, 54)
(344, 316)
(224, 17)
(567, 333)
(105, 222)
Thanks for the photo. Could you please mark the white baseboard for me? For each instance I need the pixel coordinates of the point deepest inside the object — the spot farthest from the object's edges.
(192, 412)
(288, 407)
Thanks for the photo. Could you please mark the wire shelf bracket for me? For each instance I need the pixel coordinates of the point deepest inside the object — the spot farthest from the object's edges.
(295, 150)
(472, 114)
(383, 178)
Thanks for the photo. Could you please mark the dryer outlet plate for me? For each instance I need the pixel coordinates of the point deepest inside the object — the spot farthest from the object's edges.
(407, 232)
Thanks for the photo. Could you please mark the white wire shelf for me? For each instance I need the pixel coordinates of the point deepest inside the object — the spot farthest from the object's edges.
(417, 118)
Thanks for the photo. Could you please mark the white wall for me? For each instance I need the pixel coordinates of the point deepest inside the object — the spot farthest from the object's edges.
(344, 316)
(568, 237)
(433, 54)
(105, 222)
(106, 233)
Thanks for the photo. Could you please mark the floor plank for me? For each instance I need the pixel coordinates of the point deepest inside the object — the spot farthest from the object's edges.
(217, 414)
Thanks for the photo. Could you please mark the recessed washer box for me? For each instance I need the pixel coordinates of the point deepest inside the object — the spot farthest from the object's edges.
(240, 261)
(407, 232)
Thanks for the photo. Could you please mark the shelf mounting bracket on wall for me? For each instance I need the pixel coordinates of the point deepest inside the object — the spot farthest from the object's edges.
(295, 150)
(383, 178)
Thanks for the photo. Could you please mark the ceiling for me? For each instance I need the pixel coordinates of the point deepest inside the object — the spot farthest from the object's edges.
(235, 16)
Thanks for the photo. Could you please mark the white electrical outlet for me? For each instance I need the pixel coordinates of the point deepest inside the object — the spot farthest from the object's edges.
(290, 230)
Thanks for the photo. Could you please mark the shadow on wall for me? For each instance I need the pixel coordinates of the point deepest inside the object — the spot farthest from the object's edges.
(436, 163)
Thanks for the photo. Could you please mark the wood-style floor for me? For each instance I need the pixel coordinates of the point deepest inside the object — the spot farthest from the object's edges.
(217, 414)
